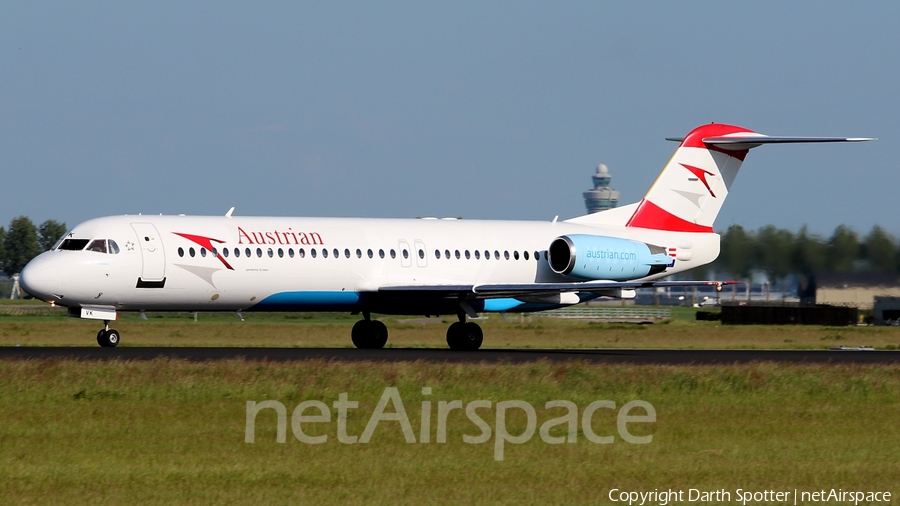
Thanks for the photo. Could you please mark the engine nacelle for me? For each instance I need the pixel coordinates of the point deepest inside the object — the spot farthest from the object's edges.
(591, 257)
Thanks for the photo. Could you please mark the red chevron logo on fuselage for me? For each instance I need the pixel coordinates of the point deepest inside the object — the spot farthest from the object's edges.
(701, 175)
(206, 242)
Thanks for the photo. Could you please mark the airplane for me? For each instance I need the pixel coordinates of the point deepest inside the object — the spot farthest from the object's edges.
(425, 266)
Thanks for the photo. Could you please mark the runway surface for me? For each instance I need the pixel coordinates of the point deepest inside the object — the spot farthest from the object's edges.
(700, 357)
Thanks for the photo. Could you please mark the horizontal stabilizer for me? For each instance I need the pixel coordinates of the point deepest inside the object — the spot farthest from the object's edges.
(740, 142)
(747, 140)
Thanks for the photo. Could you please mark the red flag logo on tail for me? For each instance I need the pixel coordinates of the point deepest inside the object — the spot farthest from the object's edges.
(701, 175)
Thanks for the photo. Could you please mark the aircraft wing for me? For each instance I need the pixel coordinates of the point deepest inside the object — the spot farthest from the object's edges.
(503, 290)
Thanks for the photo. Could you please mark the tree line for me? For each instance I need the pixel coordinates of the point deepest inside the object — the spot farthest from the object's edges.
(780, 253)
(23, 240)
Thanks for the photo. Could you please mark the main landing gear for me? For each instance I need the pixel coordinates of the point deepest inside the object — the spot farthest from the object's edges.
(464, 336)
(372, 334)
(369, 334)
(107, 337)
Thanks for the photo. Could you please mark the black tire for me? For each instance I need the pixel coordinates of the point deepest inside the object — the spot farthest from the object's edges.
(472, 336)
(108, 338)
(101, 339)
(369, 334)
(360, 334)
(379, 334)
(455, 336)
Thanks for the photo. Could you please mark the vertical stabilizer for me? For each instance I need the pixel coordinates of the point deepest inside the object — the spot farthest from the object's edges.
(691, 188)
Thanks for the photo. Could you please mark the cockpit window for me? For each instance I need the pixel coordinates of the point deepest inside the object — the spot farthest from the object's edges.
(61, 239)
(98, 245)
(73, 244)
(113, 247)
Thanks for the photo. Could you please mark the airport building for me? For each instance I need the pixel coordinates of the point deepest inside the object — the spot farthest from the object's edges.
(602, 197)
(854, 289)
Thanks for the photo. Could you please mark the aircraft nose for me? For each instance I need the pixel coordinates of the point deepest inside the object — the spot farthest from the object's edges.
(40, 278)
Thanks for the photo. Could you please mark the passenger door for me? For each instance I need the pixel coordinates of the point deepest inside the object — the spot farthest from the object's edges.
(152, 253)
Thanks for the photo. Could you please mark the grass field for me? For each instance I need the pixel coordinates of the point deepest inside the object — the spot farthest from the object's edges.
(171, 432)
(333, 330)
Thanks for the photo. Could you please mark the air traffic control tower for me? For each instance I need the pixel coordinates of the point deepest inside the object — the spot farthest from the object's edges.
(602, 197)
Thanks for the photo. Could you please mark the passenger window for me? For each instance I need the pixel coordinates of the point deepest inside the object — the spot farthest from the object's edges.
(457, 254)
(192, 252)
(358, 253)
(180, 251)
(525, 254)
(487, 255)
(467, 254)
(291, 252)
(113, 247)
(447, 254)
(98, 245)
(393, 254)
(225, 252)
(369, 253)
(346, 253)
(301, 253)
(477, 255)
(437, 254)
(381, 253)
(405, 254)
(337, 254)
(496, 255)
(516, 255)
(271, 253)
(203, 252)
(537, 255)
(324, 253)
(312, 253)
(259, 252)
(506, 255)
(280, 253)
(422, 253)
(237, 252)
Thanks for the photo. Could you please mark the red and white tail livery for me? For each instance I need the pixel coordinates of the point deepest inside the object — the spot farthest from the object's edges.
(689, 192)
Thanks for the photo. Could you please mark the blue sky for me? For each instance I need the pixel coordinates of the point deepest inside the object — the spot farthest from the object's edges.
(480, 110)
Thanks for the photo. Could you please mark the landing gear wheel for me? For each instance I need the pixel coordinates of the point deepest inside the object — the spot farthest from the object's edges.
(464, 336)
(379, 334)
(108, 338)
(369, 334)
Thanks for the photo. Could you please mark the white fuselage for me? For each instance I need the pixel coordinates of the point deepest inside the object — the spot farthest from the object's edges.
(167, 262)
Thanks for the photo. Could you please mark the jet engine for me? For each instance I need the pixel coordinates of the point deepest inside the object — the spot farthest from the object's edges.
(590, 257)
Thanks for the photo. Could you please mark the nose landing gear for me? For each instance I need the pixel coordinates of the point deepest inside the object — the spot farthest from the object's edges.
(107, 337)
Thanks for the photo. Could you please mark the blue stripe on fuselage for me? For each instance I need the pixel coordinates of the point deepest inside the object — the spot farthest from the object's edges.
(310, 301)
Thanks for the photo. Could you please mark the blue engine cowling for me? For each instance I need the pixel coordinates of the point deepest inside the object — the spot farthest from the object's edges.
(591, 257)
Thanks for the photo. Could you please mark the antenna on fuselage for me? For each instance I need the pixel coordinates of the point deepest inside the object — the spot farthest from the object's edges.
(228, 214)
